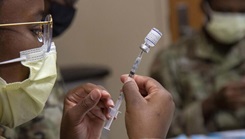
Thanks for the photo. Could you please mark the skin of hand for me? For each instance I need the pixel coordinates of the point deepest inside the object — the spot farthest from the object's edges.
(85, 110)
(230, 97)
(149, 107)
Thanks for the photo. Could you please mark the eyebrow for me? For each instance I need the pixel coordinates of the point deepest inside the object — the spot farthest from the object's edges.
(39, 14)
(36, 14)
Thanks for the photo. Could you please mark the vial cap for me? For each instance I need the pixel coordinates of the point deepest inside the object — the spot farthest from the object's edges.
(153, 37)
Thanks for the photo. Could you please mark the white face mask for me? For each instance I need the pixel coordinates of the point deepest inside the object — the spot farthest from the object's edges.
(23, 101)
(226, 28)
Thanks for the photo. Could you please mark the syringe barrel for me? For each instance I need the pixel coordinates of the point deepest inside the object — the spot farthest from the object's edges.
(114, 111)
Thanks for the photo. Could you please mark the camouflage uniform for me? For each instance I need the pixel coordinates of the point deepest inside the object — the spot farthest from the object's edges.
(192, 70)
(47, 124)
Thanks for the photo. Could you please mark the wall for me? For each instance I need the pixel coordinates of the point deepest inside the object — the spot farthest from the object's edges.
(187, 13)
(109, 33)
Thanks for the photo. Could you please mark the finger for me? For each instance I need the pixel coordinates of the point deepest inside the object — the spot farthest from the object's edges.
(98, 113)
(124, 77)
(105, 103)
(101, 110)
(131, 92)
(141, 90)
(148, 84)
(88, 87)
(89, 102)
(107, 113)
(105, 96)
(106, 99)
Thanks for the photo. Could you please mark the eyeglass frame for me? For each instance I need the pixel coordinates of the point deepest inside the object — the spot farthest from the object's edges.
(49, 22)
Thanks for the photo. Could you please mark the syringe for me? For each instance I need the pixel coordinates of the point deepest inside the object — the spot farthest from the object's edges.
(150, 41)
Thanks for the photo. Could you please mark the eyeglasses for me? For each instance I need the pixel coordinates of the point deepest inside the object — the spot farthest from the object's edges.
(45, 33)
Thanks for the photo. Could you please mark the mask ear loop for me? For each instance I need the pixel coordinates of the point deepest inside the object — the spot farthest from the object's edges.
(13, 60)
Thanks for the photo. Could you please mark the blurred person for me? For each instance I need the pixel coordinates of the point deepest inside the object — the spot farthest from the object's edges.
(205, 72)
(28, 74)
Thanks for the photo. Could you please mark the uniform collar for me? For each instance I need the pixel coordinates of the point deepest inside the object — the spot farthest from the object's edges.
(205, 49)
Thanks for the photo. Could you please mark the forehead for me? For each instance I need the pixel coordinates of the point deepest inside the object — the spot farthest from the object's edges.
(228, 4)
(21, 10)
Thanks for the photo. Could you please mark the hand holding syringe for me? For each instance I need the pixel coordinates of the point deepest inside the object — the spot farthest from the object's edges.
(150, 41)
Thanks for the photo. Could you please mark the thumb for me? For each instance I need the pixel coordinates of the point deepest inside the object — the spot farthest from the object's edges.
(131, 92)
(88, 103)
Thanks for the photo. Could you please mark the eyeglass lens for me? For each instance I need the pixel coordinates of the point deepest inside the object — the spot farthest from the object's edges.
(47, 32)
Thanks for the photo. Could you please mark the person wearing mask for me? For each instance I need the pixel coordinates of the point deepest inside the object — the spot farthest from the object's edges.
(205, 72)
(28, 74)
(47, 124)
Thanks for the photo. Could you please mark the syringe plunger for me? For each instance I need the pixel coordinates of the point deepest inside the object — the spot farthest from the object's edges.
(151, 40)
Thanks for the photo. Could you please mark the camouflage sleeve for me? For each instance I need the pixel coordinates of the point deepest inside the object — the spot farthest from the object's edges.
(193, 114)
(161, 71)
(165, 69)
(47, 124)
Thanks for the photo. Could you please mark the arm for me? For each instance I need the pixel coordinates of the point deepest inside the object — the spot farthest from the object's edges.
(168, 72)
(195, 93)
(231, 97)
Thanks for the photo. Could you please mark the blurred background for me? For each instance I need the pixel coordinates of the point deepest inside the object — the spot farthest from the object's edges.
(106, 35)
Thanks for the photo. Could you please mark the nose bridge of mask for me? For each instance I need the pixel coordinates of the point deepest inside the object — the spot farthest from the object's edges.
(236, 19)
(226, 27)
(228, 16)
(31, 54)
